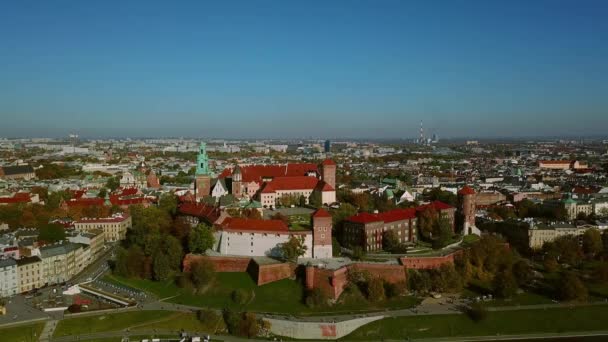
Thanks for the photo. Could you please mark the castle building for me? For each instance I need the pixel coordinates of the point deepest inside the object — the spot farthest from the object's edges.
(255, 237)
(367, 230)
(269, 183)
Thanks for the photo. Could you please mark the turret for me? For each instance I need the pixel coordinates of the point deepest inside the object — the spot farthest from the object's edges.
(467, 207)
(328, 172)
(321, 234)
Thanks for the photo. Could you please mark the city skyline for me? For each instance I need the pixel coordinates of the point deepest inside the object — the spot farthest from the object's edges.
(276, 70)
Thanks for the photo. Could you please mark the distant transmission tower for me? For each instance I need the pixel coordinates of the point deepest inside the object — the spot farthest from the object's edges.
(421, 139)
(73, 140)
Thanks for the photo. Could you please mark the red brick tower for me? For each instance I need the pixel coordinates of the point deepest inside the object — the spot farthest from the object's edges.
(328, 172)
(321, 234)
(237, 182)
(466, 201)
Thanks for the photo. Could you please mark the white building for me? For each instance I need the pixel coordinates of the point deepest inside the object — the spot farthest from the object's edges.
(250, 237)
(9, 280)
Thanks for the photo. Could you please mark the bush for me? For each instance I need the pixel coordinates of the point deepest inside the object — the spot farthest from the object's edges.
(232, 320)
(315, 298)
(392, 290)
(477, 312)
(239, 296)
(375, 290)
(184, 281)
(74, 308)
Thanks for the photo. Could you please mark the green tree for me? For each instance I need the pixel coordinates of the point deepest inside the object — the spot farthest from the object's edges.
(102, 193)
(570, 287)
(315, 199)
(135, 261)
(419, 281)
(202, 273)
(315, 298)
(293, 248)
(113, 183)
(335, 247)
(200, 239)
(601, 272)
(172, 248)
(239, 296)
(390, 240)
(522, 272)
(168, 203)
(51, 233)
(592, 242)
(249, 325)
(375, 292)
(121, 264)
(504, 284)
(161, 267)
(442, 232)
(427, 219)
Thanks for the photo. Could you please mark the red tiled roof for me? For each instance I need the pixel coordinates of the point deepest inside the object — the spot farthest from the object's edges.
(10, 200)
(556, 162)
(128, 191)
(255, 173)
(114, 219)
(321, 213)
(396, 214)
(364, 218)
(323, 186)
(243, 224)
(84, 202)
(438, 205)
(328, 162)
(200, 210)
(291, 183)
(22, 195)
(115, 200)
(466, 190)
(78, 193)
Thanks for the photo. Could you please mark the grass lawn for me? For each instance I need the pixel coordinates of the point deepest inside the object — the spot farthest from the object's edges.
(283, 296)
(110, 322)
(504, 323)
(299, 222)
(185, 321)
(24, 333)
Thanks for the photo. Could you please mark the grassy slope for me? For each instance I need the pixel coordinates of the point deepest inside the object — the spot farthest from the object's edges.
(24, 333)
(284, 296)
(503, 323)
(110, 322)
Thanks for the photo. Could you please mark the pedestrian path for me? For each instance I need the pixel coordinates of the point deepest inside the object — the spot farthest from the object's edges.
(49, 329)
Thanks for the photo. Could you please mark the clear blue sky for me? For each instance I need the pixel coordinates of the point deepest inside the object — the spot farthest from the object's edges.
(303, 68)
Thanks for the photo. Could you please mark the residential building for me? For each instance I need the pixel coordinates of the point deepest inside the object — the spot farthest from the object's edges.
(367, 230)
(9, 283)
(61, 262)
(30, 273)
(93, 238)
(538, 235)
(114, 228)
(24, 172)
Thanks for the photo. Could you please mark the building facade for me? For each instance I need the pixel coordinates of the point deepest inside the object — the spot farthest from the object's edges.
(30, 273)
(114, 228)
(9, 282)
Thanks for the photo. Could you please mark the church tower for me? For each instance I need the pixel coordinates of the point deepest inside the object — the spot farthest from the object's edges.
(202, 181)
(321, 234)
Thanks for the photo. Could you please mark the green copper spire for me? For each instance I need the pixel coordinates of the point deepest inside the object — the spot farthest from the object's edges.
(202, 161)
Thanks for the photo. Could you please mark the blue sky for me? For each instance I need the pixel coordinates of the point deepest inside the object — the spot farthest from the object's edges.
(303, 68)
